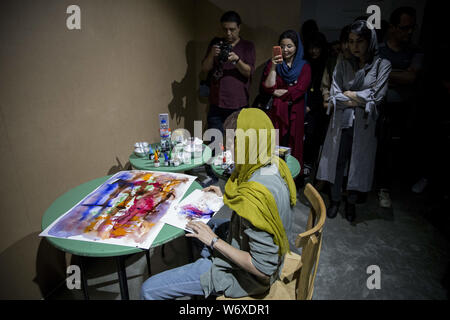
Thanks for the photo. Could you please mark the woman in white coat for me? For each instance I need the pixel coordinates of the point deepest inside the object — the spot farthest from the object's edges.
(358, 88)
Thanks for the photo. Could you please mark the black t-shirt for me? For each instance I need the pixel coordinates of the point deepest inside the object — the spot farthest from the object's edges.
(402, 60)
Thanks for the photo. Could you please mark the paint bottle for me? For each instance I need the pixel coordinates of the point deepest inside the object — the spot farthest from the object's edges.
(224, 158)
(166, 159)
(156, 159)
(164, 132)
(150, 153)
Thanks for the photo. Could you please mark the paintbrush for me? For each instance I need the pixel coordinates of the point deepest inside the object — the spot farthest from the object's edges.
(101, 205)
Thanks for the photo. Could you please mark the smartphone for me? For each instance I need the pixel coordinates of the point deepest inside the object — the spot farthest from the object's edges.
(276, 51)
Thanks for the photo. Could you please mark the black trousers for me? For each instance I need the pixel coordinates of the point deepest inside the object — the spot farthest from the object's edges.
(315, 133)
(343, 161)
(216, 118)
(384, 157)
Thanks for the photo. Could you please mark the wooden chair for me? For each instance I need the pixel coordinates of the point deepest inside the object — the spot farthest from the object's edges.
(299, 272)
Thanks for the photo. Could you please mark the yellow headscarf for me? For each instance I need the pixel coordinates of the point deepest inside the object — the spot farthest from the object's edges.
(251, 200)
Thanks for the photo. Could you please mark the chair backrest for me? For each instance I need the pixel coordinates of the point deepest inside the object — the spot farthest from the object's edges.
(311, 243)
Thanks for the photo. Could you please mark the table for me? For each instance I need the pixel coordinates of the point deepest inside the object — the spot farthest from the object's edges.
(92, 249)
(291, 161)
(141, 163)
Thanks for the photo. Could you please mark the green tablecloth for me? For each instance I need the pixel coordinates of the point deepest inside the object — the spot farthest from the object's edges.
(93, 249)
(146, 164)
(292, 162)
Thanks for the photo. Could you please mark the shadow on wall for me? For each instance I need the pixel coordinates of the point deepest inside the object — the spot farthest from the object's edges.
(119, 167)
(47, 270)
(19, 268)
(50, 268)
(184, 101)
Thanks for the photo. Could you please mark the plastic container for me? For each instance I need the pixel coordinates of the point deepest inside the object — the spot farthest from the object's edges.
(165, 134)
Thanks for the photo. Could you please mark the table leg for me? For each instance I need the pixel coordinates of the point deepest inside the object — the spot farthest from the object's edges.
(121, 271)
(84, 283)
(147, 256)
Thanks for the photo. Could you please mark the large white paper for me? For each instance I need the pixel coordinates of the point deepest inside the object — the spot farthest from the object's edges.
(125, 210)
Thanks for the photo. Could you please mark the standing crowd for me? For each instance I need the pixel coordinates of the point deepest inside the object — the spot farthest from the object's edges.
(336, 105)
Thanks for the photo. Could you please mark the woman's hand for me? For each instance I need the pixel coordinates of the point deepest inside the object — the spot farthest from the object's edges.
(355, 101)
(351, 103)
(213, 189)
(351, 95)
(277, 60)
(279, 92)
(201, 231)
(271, 77)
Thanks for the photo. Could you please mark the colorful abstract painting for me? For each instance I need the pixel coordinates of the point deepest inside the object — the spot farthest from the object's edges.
(199, 205)
(125, 210)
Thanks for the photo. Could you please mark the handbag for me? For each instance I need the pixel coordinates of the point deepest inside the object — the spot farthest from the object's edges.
(263, 101)
(204, 89)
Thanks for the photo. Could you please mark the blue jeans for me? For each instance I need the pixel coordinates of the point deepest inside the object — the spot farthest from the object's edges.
(184, 280)
(178, 282)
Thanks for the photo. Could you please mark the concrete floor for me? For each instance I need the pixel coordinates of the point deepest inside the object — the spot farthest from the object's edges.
(411, 252)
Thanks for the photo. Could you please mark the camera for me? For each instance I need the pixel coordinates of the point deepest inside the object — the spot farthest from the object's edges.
(225, 49)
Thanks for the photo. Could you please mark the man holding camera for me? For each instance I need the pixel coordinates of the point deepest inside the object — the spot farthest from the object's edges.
(229, 63)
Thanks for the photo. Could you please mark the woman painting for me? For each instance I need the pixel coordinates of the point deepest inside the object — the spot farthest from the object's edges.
(261, 195)
(358, 88)
(287, 78)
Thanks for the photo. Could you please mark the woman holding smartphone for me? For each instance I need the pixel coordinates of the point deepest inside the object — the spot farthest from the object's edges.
(358, 88)
(287, 77)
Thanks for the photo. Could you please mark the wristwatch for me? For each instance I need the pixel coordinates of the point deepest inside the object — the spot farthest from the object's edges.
(235, 62)
(213, 242)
